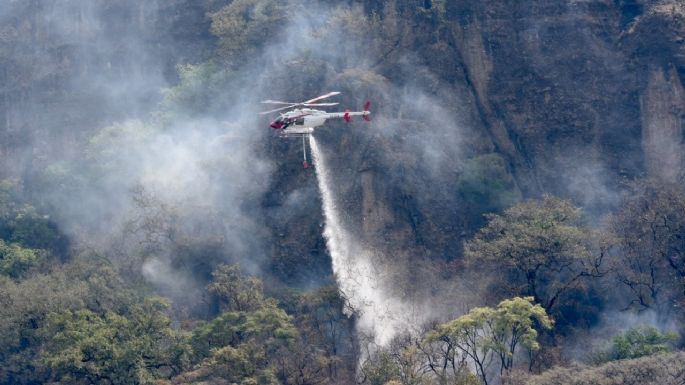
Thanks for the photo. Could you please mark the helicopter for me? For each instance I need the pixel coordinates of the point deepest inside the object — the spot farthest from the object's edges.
(302, 120)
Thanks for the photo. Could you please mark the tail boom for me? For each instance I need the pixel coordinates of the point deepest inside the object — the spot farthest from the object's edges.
(347, 115)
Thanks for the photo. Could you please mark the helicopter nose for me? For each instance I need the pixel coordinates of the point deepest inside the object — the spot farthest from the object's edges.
(276, 125)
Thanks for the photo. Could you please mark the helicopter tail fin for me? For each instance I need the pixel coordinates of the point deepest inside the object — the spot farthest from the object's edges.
(367, 105)
(347, 116)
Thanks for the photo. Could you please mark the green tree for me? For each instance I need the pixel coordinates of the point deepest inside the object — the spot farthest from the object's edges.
(636, 342)
(325, 329)
(235, 291)
(485, 185)
(9, 206)
(412, 359)
(270, 326)
(485, 333)
(421, 362)
(31, 229)
(380, 369)
(247, 342)
(23, 224)
(87, 283)
(514, 325)
(87, 348)
(542, 246)
(15, 260)
(243, 346)
(244, 26)
(198, 85)
(448, 364)
(641, 341)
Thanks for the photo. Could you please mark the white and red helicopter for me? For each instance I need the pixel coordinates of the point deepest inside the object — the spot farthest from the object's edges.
(303, 121)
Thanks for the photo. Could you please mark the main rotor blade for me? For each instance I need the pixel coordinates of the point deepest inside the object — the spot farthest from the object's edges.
(277, 102)
(319, 104)
(308, 103)
(277, 109)
(328, 95)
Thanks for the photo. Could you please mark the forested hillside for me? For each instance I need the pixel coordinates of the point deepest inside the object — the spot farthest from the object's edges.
(514, 213)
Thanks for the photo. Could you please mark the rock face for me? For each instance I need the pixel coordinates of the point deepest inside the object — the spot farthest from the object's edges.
(470, 97)
(663, 109)
(576, 96)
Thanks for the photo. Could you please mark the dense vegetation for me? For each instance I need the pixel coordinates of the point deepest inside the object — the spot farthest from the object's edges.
(152, 233)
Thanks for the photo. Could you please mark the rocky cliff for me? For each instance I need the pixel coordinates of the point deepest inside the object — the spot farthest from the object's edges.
(476, 104)
(575, 96)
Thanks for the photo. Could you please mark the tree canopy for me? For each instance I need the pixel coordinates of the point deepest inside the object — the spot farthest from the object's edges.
(648, 229)
(484, 333)
(543, 247)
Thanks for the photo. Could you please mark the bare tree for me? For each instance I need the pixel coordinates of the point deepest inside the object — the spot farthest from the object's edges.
(649, 230)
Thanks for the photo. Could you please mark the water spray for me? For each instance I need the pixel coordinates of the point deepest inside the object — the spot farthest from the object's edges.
(360, 280)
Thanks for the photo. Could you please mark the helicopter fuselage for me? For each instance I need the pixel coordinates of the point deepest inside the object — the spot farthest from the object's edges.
(304, 121)
(301, 122)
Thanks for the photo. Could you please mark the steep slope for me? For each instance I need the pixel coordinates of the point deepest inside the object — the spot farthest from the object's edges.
(576, 96)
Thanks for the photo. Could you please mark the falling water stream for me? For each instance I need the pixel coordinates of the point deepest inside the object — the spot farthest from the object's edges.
(361, 281)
